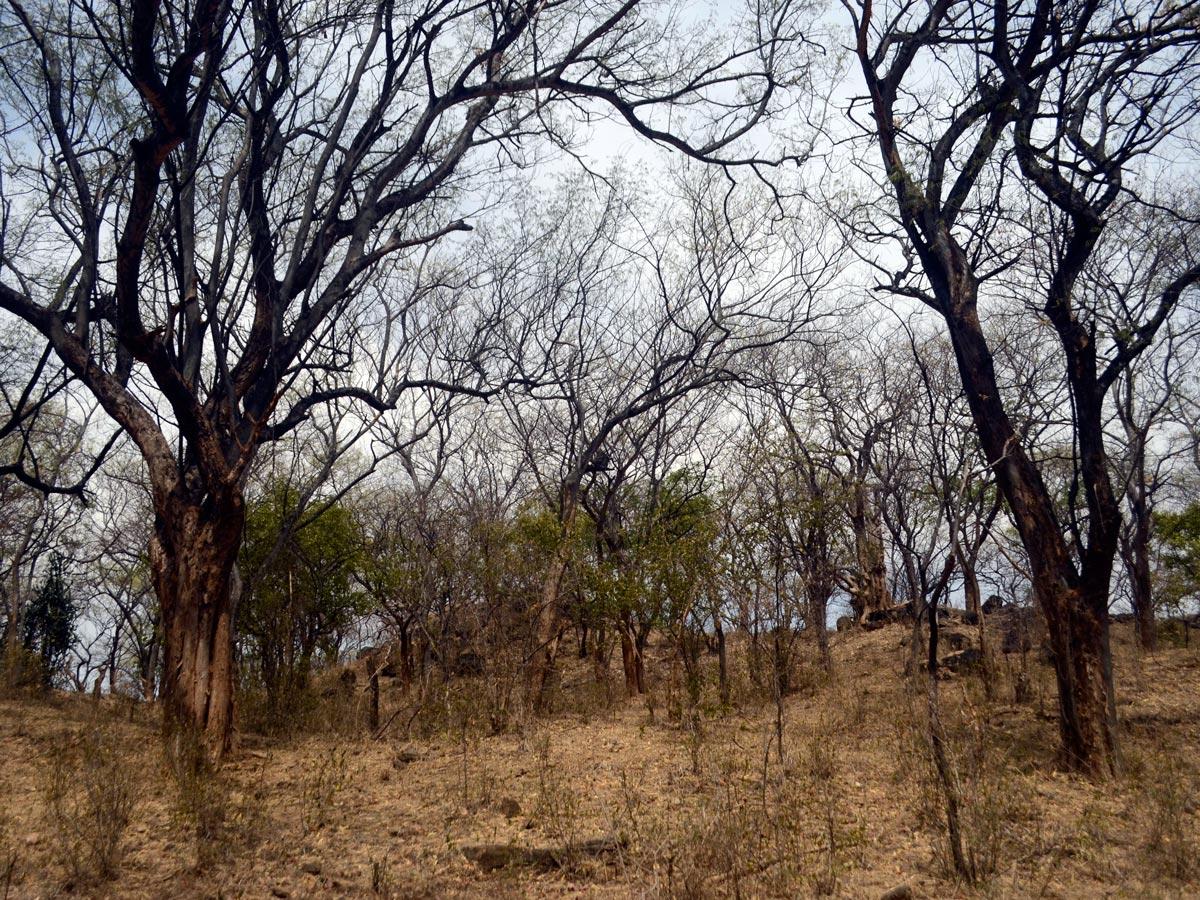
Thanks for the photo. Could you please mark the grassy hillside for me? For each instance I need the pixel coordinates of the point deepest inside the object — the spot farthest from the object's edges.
(614, 797)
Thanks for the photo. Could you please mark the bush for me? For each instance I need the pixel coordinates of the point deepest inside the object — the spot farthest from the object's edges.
(90, 794)
(206, 808)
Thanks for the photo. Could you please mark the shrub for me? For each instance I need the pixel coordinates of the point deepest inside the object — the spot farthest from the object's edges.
(90, 793)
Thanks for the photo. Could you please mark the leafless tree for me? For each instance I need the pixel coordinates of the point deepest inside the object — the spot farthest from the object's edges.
(230, 208)
(1059, 111)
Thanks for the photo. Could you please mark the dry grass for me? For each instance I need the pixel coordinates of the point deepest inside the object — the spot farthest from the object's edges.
(703, 805)
(91, 782)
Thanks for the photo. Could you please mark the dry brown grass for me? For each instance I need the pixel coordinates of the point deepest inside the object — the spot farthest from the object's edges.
(90, 786)
(702, 804)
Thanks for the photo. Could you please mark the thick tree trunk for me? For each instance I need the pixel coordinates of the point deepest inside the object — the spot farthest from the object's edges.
(192, 557)
(1075, 606)
(869, 589)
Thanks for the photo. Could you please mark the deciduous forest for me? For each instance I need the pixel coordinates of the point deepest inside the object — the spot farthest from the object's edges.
(461, 448)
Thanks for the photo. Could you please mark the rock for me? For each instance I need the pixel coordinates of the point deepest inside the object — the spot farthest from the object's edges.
(509, 808)
(901, 612)
(311, 868)
(954, 640)
(490, 857)
(899, 892)
(967, 659)
(405, 756)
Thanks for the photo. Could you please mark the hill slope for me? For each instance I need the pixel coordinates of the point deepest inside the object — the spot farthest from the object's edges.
(672, 803)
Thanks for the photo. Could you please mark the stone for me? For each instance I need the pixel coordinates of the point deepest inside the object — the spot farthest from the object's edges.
(967, 659)
(405, 756)
(954, 640)
(490, 857)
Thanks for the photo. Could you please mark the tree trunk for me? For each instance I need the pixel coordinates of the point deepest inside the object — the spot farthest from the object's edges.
(818, 606)
(192, 556)
(972, 596)
(548, 629)
(548, 626)
(629, 658)
(1135, 552)
(971, 593)
(1075, 605)
(869, 591)
(722, 660)
(406, 661)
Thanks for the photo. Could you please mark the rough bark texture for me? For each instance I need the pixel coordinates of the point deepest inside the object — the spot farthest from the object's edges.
(1075, 606)
(868, 590)
(192, 557)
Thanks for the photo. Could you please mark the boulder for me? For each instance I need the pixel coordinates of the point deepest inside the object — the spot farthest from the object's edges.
(963, 661)
(954, 640)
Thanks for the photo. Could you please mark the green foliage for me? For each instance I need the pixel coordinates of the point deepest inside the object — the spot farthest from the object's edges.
(1178, 536)
(667, 534)
(301, 597)
(50, 622)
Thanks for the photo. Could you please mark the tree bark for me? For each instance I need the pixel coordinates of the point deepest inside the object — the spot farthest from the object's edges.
(548, 629)
(193, 555)
(548, 626)
(629, 658)
(1074, 604)
(723, 659)
(869, 591)
(1135, 552)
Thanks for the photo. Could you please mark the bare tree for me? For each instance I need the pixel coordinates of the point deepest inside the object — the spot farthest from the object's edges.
(1065, 103)
(625, 336)
(233, 226)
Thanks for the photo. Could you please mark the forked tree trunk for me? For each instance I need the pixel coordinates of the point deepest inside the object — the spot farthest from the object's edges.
(192, 556)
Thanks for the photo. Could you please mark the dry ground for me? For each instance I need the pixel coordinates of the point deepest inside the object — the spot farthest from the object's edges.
(852, 809)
